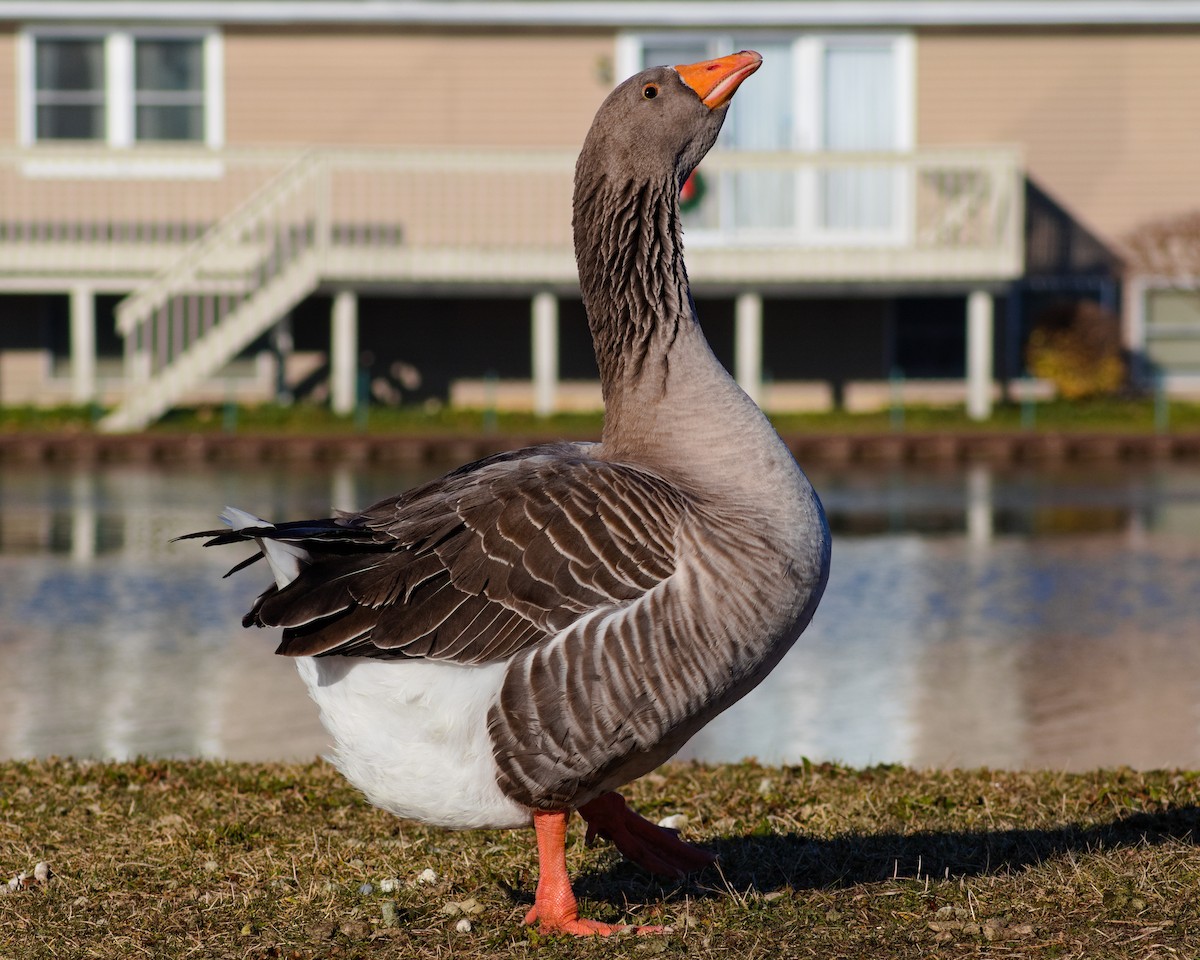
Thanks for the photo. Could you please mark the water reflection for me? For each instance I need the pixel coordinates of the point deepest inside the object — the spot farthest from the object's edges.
(1008, 618)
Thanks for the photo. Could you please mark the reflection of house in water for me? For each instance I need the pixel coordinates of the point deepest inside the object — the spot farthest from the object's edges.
(165, 240)
(844, 692)
(1073, 658)
(993, 617)
(118, 643)
(1068, 645)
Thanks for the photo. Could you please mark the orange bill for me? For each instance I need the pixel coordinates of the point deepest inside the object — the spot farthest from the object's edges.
(716, 80)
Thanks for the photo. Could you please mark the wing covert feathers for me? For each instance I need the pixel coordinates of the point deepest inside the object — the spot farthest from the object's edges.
(489, 560)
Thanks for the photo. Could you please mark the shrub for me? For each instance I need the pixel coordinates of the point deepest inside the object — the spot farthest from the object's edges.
(1077, 347)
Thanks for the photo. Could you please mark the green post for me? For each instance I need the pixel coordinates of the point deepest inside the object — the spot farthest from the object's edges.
(896, 392)
(1162, 403)
(1028, 404)
(362, 408)
(229, 414)
(489, 402)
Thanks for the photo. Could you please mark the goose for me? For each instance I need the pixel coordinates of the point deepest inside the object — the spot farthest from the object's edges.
(514, 641)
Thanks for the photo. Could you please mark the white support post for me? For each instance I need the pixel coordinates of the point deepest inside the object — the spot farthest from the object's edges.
(343, 353)
(747, 344)
(980, 324)
(980, 505)
(83, 344)
(119, 82)
(544, 321)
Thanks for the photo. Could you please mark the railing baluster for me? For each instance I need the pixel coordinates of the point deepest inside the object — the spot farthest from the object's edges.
(161, 341)
(395, 214)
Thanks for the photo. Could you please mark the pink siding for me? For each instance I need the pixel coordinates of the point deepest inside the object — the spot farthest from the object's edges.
(390, 86)
(1107, 119)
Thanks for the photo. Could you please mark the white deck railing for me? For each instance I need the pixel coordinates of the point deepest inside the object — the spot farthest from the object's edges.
(218, 246)
(503, 215)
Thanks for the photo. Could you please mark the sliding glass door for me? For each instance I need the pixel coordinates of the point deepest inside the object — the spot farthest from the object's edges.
(816, 95)
(858, 115)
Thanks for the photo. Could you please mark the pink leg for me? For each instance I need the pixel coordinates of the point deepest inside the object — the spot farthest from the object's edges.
(554, 906)
(651, 847)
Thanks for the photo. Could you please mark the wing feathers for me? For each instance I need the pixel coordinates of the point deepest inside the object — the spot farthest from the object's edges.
(491, 559)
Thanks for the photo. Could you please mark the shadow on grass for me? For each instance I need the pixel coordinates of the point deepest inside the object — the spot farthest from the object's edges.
(771, 862)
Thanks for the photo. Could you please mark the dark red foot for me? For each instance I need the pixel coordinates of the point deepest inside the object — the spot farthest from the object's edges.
(651, 847)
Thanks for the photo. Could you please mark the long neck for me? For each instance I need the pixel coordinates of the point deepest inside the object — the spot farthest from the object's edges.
(629, 250)
(668, 400)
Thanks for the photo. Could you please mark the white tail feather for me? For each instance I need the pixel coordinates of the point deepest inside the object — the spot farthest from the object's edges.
(285, 559)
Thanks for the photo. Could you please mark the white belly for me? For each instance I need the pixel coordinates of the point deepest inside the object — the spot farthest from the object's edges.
(412, 736)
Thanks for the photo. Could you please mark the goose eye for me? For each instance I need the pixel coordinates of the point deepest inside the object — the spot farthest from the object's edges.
(650, 91)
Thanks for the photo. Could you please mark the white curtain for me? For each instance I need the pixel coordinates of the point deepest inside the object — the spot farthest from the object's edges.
(858, 114)
(762, 119)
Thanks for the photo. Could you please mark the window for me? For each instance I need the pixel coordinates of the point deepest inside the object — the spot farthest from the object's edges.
(121, 87)
(814, 94)
(69, 89)
(168, 90)
(1173, 331)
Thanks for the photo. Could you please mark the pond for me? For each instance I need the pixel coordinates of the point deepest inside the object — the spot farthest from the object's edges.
(1000, 617)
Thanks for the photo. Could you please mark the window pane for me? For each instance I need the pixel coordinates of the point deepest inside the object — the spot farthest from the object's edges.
(61, 121)
(670, 54)
(1174, 354)
(1175, 308)
(859, 115)
(763, 121)
(74, 64)
(170, 123)
(169, 65)
(859, 97)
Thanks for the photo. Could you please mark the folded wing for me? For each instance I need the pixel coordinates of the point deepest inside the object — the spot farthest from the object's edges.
(496, 557)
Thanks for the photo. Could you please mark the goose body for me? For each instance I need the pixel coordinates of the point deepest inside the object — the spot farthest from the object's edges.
(517, 639)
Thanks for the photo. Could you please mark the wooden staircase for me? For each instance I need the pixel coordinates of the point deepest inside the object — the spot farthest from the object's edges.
(226, 289)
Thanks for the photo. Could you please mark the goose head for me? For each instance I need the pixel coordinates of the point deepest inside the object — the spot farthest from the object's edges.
(658, 124)
(647, 136)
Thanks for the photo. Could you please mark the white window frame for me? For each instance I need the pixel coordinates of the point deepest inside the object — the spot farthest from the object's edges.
(119, 83)
(1140, 332)
(808, 97)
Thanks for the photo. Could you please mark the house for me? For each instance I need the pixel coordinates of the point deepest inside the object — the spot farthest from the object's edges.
(256, 198)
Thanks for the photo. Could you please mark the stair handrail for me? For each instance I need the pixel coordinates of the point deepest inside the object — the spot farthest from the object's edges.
(136, 307)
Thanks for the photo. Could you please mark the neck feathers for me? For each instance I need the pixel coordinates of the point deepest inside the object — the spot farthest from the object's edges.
(629, 250)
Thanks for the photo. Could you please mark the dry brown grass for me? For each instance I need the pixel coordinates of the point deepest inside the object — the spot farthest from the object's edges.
(198, 859)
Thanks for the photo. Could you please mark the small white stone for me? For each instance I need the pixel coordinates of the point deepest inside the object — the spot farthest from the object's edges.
(17, 882)
(676, 821)
(427, 876)
(211, 866)
(366, 889)
(468, 907)
(463, 925)
(41, 871)
(388, 885)
(766, 786)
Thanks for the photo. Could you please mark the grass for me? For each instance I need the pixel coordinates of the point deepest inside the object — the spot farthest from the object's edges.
(1122, 414)
(210, 859)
